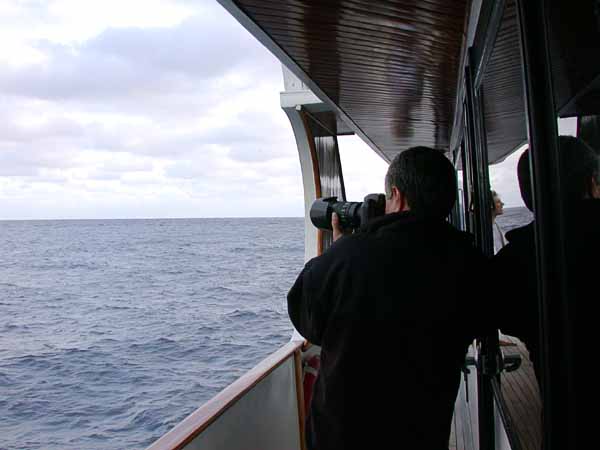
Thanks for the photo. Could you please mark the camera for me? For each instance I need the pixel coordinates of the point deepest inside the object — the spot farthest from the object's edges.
(352, 215)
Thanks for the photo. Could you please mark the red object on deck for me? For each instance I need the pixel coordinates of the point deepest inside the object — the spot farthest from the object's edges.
(311, 370)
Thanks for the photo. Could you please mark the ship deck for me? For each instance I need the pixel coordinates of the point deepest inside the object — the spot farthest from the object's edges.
(521, 396)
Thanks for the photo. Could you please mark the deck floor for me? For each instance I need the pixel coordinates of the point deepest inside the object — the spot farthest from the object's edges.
(521, 395)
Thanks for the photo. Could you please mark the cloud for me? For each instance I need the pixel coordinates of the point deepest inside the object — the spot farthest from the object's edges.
(171, 114)
(503, 179)
(138, 62)
(17, 162)
(61, 127)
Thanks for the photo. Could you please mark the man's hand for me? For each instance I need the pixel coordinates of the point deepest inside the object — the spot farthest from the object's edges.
(336, 227)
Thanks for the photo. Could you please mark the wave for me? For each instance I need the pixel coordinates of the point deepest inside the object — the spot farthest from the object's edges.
(157, 345)
(194, 316)
(4, 379)
(115, 307)
(221, 289)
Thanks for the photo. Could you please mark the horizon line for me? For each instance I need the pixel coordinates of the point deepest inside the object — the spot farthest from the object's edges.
(150, 218)
(168, 218)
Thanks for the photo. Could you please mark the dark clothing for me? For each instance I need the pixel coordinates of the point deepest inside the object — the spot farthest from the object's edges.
(583, 253)
(389, 308)
(515, 289)
(514, 267)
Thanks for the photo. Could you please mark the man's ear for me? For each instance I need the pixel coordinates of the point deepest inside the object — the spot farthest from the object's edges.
(400, 199)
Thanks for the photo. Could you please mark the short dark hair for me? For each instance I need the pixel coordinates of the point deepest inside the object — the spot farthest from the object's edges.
(427, 179)
(579, 163)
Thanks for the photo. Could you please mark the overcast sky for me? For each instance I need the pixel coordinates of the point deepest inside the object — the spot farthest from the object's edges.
(147, 108)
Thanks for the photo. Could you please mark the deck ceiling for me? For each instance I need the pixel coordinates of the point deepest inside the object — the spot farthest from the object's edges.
(390, 66)
(503, 94)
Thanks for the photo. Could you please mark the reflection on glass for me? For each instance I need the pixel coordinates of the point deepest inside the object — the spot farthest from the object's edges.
(515, 265)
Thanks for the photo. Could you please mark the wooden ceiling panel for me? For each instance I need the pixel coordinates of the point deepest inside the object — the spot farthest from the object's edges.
(503, 94)
(390, 66)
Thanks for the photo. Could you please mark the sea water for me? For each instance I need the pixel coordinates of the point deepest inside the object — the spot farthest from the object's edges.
(113, 331)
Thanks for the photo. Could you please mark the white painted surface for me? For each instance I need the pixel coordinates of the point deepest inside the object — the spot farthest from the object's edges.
(474, 400)
(291, 82)
(266, 418)
(297, 96)
(467, 410)
(304, 98)
(308, 182)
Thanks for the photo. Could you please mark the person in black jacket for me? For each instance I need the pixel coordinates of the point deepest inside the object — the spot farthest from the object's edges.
(516, 265)
(516, 262)
(389, 308)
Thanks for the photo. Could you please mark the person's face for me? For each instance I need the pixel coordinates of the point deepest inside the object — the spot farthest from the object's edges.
(498, 206)
(595, 189)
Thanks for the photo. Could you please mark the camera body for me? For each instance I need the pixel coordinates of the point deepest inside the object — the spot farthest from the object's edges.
(352, 215)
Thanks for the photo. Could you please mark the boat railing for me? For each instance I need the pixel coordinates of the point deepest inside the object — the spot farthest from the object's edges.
(262, 409)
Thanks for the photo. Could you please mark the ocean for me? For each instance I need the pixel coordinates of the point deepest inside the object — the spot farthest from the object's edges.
(513, 218)
(113, 331)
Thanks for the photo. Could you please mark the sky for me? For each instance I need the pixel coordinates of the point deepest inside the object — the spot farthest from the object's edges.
(147, 108)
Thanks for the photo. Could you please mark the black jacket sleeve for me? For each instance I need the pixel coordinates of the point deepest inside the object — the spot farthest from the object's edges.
(300, 305)
(307, 311)
(313, 295)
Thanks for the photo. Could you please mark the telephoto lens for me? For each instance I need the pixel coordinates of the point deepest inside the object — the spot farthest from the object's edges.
(352, 215)
(322, 209)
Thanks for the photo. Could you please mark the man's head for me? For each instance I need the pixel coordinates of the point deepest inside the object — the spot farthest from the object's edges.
(497, 205)
(580, 168)
(421, 180)
(524, 177)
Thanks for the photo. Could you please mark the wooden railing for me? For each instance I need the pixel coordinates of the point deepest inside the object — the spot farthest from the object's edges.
(199, 421)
